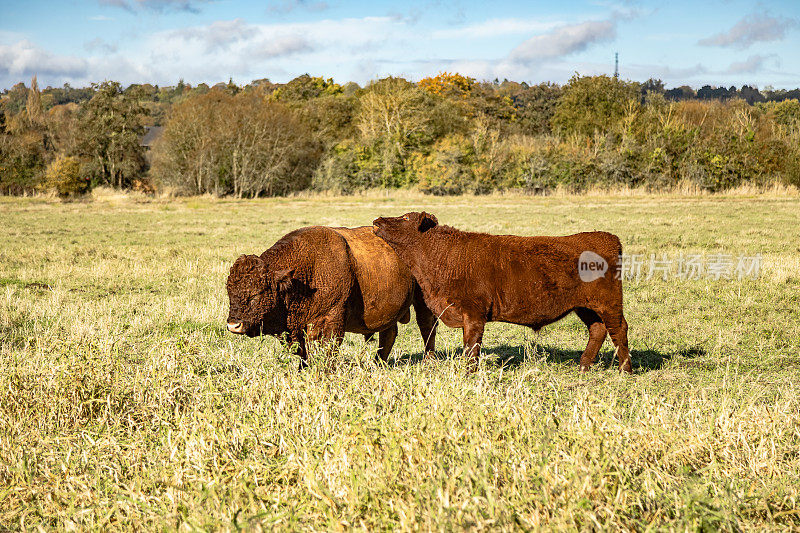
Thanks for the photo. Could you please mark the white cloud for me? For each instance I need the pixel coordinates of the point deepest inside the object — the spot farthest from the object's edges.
(23, 59)
(751, 65)
(288, 45)
(751, 29)
(218, 35)
(495, 28)
(563, 41)
(671, 75)
(156, 5)
(99, 45)
(285, 6)
(241, 49)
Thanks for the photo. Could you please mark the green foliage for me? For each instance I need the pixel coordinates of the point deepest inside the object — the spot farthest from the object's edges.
(25, 145)
(66, 95)
(110, 126)
(785, 113)
(306, 87)
(14, 99)
(446, 168)
(591, 104)
(64, 177)
(446, 134)
(534, 105)
(22, 162)
(350, 166)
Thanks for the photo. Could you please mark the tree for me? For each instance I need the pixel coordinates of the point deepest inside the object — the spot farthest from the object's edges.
(394, 109)
(15, 99)
(22, 162)
(592, 104)
(653, 85)
(305, 87)
(26, 148)
(684, 92)
(109, 130)
(220, 143)
(394, 116)
(534, 105)
(451, 85)
(64, 177)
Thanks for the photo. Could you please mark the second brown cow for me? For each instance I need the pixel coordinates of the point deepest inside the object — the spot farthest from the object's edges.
(469, 279)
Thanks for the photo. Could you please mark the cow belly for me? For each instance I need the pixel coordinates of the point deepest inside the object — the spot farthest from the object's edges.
(383, 281)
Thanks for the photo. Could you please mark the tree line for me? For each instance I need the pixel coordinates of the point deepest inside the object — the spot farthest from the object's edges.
(446, 134)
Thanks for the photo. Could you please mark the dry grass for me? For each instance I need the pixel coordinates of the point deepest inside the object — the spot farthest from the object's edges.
(125, 405)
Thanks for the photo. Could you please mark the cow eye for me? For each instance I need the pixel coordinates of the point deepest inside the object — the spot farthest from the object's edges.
(405, 217)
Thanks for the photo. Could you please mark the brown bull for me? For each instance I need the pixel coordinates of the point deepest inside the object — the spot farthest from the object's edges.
(469, 279)
(316, 283)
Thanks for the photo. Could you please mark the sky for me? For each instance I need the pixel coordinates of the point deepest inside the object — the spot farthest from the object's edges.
(715, 42)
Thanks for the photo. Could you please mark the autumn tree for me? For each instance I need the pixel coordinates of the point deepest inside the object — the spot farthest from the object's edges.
(242, 145)
(321, 104)
(26, 146)
(306, 87)
(394, 116)
(109, 130)
(447, 84)
(64, 177)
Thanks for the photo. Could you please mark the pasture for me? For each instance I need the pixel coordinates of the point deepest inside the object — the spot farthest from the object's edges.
(124, 403)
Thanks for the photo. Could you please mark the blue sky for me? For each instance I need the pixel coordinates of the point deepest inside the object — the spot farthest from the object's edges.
(717, 42)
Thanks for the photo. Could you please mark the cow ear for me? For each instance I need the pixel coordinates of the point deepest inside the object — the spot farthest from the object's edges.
(426, 222)
(283, 278)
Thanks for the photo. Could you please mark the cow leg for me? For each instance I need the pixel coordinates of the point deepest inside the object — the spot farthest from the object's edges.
(473, 338)
(597, 334)
(302, 351)
(328, 334)
(617, 328)
(426, 321)
(333, 335)
(386, 340)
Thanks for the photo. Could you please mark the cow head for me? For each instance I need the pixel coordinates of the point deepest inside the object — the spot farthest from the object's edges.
(256, 306)
(402, 228)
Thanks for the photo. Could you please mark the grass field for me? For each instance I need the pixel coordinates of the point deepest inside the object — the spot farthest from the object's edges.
(124, 403)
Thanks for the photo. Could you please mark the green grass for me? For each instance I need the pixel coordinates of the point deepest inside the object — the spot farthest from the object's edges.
(124, 404)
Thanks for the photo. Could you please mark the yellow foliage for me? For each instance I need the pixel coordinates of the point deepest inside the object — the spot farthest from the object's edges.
(448, 84)
(64, 176)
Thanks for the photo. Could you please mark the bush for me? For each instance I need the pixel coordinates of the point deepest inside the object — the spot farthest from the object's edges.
(592, 104)
(446, 168)
(64, 177)
(785, 113)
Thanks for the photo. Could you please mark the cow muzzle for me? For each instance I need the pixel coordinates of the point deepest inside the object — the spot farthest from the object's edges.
(235, 327)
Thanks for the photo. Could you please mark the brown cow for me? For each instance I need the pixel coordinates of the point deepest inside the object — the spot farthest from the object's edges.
(316, 283)
(469, 279)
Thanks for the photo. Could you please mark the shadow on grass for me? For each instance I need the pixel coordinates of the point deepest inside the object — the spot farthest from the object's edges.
(511, 356)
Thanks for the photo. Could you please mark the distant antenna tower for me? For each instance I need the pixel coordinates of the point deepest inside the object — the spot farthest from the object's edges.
(616, 64)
